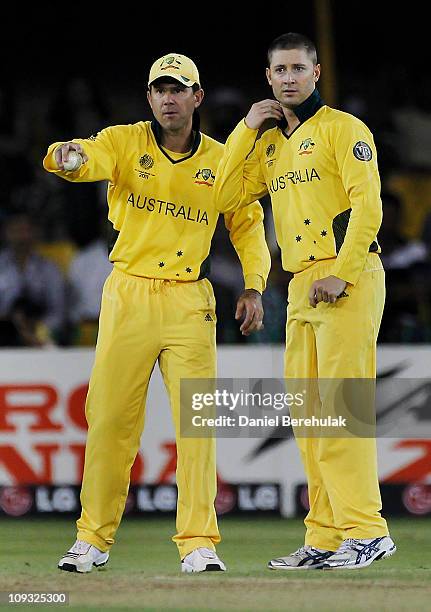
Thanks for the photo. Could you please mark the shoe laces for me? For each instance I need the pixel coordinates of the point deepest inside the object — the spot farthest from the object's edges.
(207, 552)
(347, 546)
(301, 551)
(80, 547)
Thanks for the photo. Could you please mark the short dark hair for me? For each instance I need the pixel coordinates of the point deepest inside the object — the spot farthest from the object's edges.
(292, 40)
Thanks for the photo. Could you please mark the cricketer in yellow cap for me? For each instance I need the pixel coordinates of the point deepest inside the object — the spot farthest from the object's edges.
(157, 305)
(178, 67)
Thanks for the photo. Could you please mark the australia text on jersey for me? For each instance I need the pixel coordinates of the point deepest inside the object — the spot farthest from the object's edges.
(188, 213)
(295, 177)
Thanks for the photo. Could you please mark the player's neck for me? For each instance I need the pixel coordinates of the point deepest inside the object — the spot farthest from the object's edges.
(178, 141)
(292, 120)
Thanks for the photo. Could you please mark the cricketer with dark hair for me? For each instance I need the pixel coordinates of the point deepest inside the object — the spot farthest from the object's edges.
(319, 166)
(157, 306)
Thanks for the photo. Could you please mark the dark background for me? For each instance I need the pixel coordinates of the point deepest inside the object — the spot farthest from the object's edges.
(381, 67)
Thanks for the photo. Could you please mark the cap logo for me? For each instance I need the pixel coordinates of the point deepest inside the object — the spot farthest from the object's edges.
(170, 61)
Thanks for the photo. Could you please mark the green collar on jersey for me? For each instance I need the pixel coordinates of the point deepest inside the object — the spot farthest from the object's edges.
(309, 107)
(157, 131)
(306, 109)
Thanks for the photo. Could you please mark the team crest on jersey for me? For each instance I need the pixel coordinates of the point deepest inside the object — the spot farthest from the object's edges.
(205, 177)
(362, 151)
(306, 147)
(270, 150)
(146, 161)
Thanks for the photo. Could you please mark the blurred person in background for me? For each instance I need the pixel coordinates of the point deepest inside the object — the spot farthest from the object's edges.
(87, 274)
(31, 287)
(398, 252)
(407, 304)
(23, 326)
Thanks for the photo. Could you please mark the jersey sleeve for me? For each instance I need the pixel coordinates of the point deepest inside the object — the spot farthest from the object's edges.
(239, 179)
(102, 158)
(247, 235)
(356, 156)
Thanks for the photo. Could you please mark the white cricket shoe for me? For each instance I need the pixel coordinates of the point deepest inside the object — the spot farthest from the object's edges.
(355, 554)
(81, 558)
(202, 560)
(305, 558)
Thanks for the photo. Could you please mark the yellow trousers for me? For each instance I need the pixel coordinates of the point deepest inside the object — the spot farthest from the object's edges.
(337, 341)
(143, 321)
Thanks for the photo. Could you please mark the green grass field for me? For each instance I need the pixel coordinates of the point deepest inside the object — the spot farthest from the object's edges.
(143, 571)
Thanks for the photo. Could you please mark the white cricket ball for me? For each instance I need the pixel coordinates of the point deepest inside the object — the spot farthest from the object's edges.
(74, 161)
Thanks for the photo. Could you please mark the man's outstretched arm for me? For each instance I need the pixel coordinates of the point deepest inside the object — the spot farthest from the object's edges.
(99, 156)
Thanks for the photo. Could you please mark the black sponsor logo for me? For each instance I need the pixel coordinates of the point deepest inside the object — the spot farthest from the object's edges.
(362, 151)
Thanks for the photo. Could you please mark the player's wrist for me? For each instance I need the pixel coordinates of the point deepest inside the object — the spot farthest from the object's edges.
(249, 124)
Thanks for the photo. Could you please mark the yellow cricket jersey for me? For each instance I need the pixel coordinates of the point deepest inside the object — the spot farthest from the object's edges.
(323, 181)
(162, 204)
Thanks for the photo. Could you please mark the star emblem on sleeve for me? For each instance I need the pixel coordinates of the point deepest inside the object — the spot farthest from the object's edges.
(323, 233)
(307, 221)
(311, 258)
(188, 270)
(179, 253)
(162, 264)
(298, 238)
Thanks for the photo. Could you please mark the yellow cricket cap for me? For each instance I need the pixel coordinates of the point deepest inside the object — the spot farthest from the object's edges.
(175, 66)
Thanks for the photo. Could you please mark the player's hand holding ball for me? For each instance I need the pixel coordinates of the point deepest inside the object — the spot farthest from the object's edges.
(70, 156)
